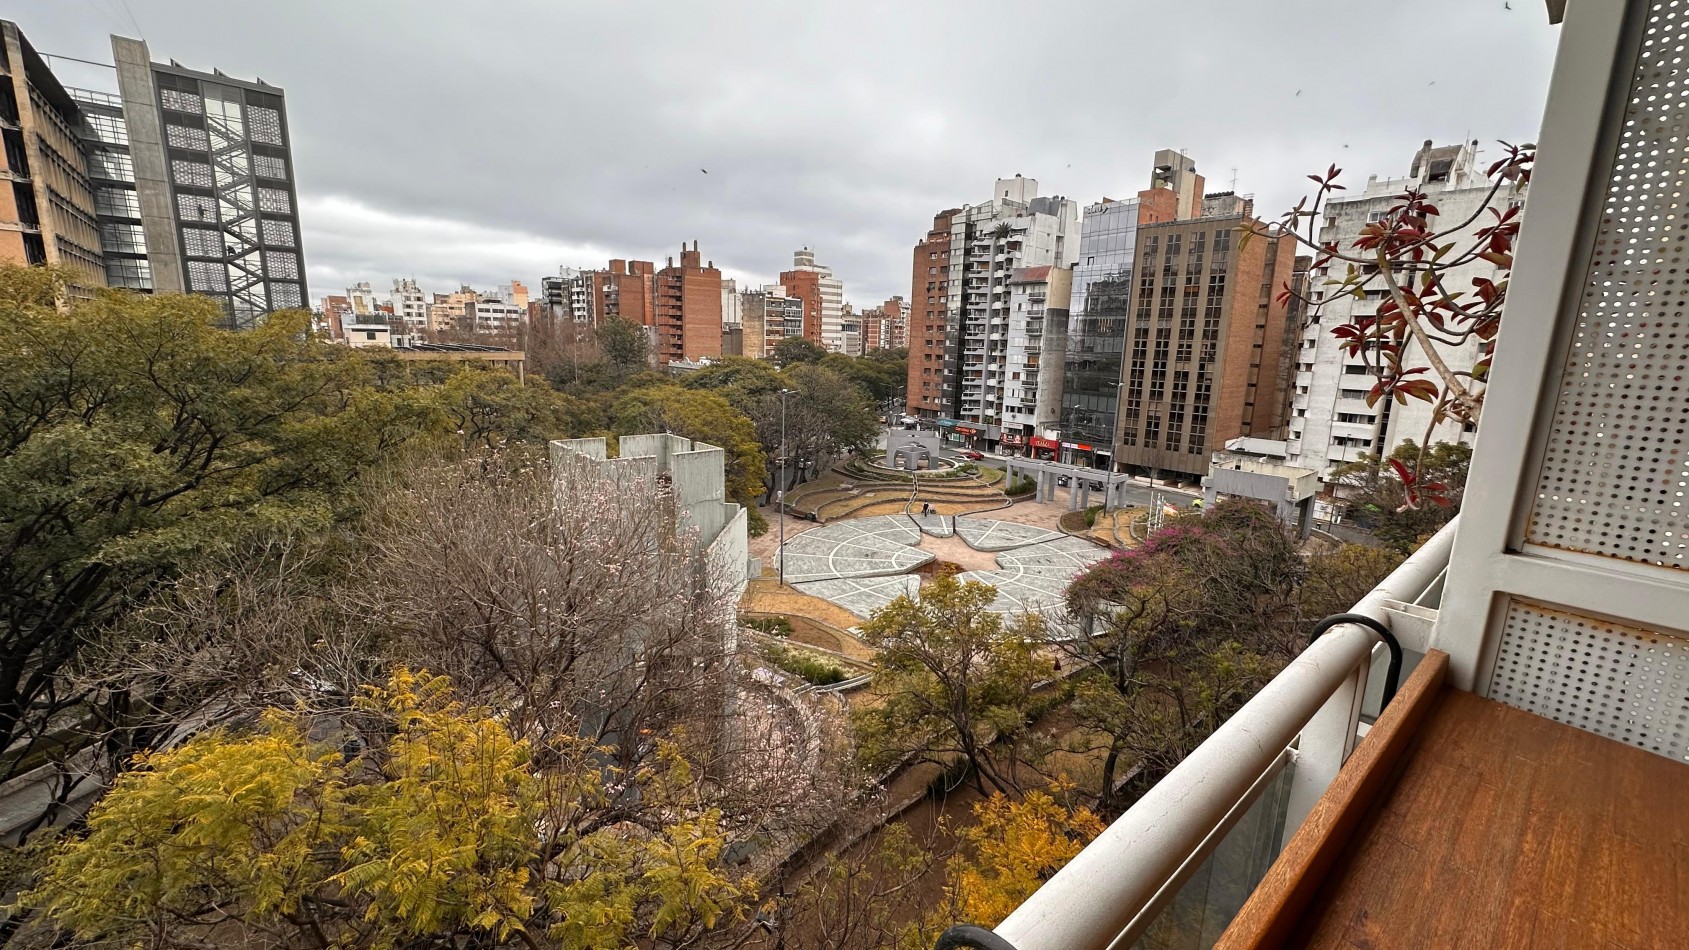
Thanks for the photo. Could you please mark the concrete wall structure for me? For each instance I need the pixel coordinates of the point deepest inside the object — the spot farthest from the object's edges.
(1242, 474)
(695, 473)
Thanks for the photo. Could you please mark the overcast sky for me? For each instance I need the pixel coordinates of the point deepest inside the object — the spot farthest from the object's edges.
(475, 142)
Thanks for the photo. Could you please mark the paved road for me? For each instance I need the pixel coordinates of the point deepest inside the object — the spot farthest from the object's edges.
(1136, 492)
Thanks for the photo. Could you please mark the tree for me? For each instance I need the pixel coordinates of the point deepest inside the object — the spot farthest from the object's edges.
(418, 822)
(706, 417)
(740, 380)
(135, 436)
(1409, 256)
(1406, 499)
(795, 349)
(623, 344)
(867, 897)
(880, 374)
(1013, 849)
(826, 417)
(1179, 631)
(952, 680)
(490, 407)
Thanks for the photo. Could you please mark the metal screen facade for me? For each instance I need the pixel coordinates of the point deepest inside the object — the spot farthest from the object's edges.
(1614, 471)
(1608, 678)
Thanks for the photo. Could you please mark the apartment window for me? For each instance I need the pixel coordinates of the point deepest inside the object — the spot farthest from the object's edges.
(269, 166)
(184, 136)
(202, 242)
(275, 200)
(186, 172)
(196, 208)
(1357, 369)
(207, 275)
(127, 238)
(1222, 241)
(281, 263)
(1357, 418)
(264, 125)
(278, 233)
(181, 101)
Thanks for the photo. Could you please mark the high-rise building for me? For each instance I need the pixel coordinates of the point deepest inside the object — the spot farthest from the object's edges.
(48, 205)
(362, 296)
(1083, 395)
(1039, 297)
(769, 316)
(1330, 422)
(495, 312)
(625, 290)
(885, 327)
(569, 295)
(686, 309)
(929, 391)
(514, 293)
(213, 180)
(988, 241)
(410, 307)
(448, 312)
(1203, 338)
(823, 299)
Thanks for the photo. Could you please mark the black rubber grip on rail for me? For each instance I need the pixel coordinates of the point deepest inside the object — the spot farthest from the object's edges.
(964, 936)
(1393, 674)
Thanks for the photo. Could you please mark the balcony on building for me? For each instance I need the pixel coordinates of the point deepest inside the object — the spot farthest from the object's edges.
(1491, 748)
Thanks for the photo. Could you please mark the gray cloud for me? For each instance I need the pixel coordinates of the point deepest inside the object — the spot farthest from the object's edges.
(477, 142)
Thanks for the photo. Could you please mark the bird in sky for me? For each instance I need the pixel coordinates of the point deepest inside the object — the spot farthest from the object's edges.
(704, 170)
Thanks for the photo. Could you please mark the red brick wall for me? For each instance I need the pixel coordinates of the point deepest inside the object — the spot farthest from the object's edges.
(927, 320)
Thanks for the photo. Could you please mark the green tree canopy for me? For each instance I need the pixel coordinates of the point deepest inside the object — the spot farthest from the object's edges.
(952, 679)
(796, 349)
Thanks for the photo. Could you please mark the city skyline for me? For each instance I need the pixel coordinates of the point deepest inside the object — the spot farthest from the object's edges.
(817, 145)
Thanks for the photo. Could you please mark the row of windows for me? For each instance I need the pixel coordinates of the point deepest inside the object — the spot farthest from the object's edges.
(113, 165)
(118, 202)
(107, 128)
(132, 273)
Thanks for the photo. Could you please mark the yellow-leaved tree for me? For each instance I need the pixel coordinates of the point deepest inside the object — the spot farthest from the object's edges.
(422, 822)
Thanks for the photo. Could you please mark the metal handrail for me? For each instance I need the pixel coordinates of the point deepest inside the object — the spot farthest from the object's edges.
(1110, 892)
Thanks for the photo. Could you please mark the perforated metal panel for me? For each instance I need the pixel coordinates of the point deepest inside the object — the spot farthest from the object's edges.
(1616, 681)
(1614, 474)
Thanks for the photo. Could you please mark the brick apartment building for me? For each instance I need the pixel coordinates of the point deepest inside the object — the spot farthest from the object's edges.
(885, 327)
(623, 289)
(686, 309)
(1204, 340)
(929, 392)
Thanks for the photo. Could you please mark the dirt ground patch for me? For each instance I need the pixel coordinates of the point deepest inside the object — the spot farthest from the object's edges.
(813, 633)
(956, 551)
(769, 597)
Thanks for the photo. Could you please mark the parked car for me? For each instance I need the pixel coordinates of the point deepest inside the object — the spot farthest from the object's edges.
(1062, 480)
(1097, 486)
(972, 456)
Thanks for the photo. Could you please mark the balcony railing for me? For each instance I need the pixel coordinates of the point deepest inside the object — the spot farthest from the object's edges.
(1292, 738)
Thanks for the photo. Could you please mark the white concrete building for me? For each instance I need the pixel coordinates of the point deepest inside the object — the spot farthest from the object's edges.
(1038, 303)
(363, 299)
(988, 242)
(491, 313)
(732, 312)
(410, 307)
(1330, 422)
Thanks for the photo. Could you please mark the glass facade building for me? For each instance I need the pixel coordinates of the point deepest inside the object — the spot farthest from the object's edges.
(209, 163)
(1096, 335)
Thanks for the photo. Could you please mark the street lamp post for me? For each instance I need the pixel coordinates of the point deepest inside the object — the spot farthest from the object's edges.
(781, 494)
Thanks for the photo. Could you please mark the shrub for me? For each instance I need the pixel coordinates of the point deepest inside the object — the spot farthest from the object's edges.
(1091, 515)
(772, 626)
(810, 668)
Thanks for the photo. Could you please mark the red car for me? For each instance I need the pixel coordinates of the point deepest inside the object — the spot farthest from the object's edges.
(972, 456)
